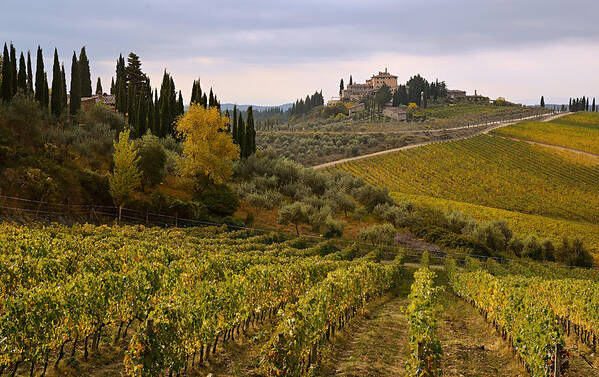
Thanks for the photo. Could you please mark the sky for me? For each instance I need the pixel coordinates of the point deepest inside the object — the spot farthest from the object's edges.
(269, 52)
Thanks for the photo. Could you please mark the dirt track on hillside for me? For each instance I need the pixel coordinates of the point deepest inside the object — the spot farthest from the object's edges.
(484, 131)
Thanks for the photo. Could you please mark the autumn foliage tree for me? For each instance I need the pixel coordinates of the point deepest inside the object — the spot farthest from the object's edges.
(208, 149)
(126, 177)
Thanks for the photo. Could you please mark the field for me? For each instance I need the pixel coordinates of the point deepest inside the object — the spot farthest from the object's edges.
(489, 171)
(579, 131)
(136, 301)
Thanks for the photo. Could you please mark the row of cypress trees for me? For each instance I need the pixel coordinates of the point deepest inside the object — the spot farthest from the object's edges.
(243, 132)
(21, 79)
(582, 104)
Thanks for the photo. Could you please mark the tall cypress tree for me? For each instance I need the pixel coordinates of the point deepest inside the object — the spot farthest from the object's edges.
(156, 121)
(180, 105)
(542, 101)
(39, 77)
(250, 134)
(84, 74)
(235, 125)
(341, 87)
(351, 80)
(13, 71)
(75, 101)
(45, 92)
(112, 86)
(29, 74)
(56, 101)
(593, 108)
(99, 86)
(150, 113)
(6, 90)
(241, 136)
(64, 88)
(22, 75)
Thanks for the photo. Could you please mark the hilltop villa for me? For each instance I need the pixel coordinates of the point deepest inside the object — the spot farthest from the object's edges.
(354, 92)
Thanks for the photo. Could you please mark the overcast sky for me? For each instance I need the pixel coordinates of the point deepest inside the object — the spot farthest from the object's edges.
(269, 52)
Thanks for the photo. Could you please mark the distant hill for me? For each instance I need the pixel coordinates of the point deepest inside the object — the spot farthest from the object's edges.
(229, 106)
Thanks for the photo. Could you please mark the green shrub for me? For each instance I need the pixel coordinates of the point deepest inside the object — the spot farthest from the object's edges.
(152, 160)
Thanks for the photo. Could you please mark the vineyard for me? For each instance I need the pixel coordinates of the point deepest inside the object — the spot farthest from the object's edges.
(489, 171)
(179, 294)
(162, 302)
(579, 131)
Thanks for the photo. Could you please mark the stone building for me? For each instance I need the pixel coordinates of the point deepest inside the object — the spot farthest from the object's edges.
(355, 92)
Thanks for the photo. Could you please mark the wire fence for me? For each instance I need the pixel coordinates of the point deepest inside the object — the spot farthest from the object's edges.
(46, 212)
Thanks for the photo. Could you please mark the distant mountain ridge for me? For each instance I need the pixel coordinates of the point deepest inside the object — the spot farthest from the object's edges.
(229, 106)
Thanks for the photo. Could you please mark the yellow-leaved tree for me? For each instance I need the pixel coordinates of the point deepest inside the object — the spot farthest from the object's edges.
(125, 177)
(208, 148)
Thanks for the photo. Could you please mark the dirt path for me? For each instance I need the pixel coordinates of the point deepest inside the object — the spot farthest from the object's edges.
(471, 347)
(554, 146)
(374, 345)
(484, 131)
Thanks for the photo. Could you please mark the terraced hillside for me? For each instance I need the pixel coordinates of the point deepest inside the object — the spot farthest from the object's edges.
(578, 131)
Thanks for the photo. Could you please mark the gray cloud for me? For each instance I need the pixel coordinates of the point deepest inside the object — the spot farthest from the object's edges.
(278, 33)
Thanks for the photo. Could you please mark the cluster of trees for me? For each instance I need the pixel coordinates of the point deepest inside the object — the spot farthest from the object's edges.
(301, 106)
(206, 156)
(419, 91)
(144, 108)
(18, 76)
(202, 99)
(243, 132)
(581, 104)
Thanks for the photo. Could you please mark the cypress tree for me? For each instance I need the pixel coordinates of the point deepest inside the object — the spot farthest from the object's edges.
(241, 136)
(13, 70)
(84, 74)
(39, 77)
(542, 101)
(235, 140)
(64, 88)
(6, 80)
(211, 99)
(75, 102)
(150, 113)
(112, 87)
(56, 101)
(22, 75)
(121, 91)
(180, 106)
(29, 74)
(593, 108)
(45, 92)
(341, 87)
(99, 86)
(250, 134)
(351, 80)
(204, 100)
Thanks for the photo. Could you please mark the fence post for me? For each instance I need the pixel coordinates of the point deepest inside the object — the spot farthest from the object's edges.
(557, 366)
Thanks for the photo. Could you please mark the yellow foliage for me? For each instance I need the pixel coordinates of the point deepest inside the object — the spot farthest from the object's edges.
(208, 148)
(125, 178)
(412, 106)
